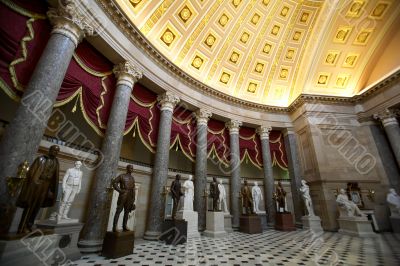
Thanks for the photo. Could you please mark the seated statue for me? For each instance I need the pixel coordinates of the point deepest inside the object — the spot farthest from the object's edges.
(347, 208)
(394, 202)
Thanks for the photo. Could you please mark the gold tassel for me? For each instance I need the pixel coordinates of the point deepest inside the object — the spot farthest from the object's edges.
(176, 148)
(247, 160)
(134, 130)
(76, 102)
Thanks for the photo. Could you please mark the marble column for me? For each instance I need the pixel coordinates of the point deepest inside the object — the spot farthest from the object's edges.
(200, 180)
(294, 173)
(392, 129)
(22, 137)
(160, 170)
(235, 183)
(269, 184)
(95, 228)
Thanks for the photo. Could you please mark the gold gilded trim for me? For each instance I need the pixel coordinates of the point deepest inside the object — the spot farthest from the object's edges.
(23, 11)
(89, 70)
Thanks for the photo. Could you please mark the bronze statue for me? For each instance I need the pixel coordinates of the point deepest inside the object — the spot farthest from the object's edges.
(280, 197)
(214, 193)
(39, 189)
(247, 199)
(176, 194)
(125, 185)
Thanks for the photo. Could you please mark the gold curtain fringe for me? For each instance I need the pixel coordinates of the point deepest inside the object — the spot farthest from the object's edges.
(88, 69)
(23, 11)
(139, 102)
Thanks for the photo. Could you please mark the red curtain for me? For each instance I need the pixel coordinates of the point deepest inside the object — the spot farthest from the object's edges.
(277, 149)
(250, 146)
(218, 141)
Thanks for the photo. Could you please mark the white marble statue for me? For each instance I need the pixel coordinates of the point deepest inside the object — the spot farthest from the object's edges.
(222, 197)
(305, 192)
(71, 186)
(347, 207)
(257, 197)
(394, 202)
(188, 188)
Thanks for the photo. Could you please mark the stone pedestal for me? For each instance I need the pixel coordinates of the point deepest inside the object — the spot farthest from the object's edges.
(355, 226)
(312, 223)
(250, 224)
(228, 222)
(215, 224)
(264, 220)
(174, 232)
(284, 222)
(33, 249)
(118, 244)
(68, 230)
(191, 218)
(395, 222)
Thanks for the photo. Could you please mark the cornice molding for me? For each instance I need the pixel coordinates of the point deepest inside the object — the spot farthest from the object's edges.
(118, 17)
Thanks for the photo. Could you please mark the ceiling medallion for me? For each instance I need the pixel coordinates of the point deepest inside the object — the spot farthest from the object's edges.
(168, 37)
(323, 79)
(252, 87)
(350, 60)
(363, 37)
(267, 48)
(225, 78)
(245, 37)
(266, 2)
(342, 80)
(331, 58)
(342, 34)
(284, 11)
(355, 9)
(379, 10)
(197, 62)
(134, 3)
(296, 36)
(223, 20)
(259, 67)
(234, 57)
(289, 54)
(255, 19)
(304, 17)
(236, 3)
(210, 40)
(283, 74)
(275, 30)
(185, 14)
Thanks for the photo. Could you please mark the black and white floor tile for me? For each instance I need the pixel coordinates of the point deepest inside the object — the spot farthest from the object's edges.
(270, 248)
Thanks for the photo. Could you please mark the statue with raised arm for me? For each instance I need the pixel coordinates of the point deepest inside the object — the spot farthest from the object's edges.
(71, 186)
(347, 207)
(305, 193)
(257, 197)
(214, 193)
(124, 184)
(247, 199)
(222, 197)
(39, 189)
(394, 202)
(188, 188)
(176, 194)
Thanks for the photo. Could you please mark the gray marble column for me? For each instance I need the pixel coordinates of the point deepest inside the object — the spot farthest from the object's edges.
(269, 184)
(200, 179)
(22, 137)
(294, 173)
(235, 183)
(160, 170)
(95, 227)
(392, 130)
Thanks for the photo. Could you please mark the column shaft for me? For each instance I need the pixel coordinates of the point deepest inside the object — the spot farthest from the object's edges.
(268, 182)
(393, 133)
(295, 174)
(200, 180)
(235, 180)
(99, 204)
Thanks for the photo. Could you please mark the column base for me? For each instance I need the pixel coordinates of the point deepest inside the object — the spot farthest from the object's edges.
(118, 244)
(152, 235)
(90, 246)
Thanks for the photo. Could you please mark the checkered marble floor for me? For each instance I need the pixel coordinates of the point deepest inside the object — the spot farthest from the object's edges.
(269, 248)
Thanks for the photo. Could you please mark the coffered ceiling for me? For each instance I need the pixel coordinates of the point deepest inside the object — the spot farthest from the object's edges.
(268, 51)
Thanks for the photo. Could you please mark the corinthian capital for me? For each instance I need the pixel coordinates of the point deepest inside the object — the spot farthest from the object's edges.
(168, 101)
(68, 20)
(202, 116)
(387, 117)
(263, 131)
(127, 74)
(233, 126)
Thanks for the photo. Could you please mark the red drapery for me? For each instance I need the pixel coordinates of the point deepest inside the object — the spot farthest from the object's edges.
(89, 82)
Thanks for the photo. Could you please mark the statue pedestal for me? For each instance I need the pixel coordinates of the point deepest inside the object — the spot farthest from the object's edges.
(263, 217)
(215, 224)
(250, 224)
(191, 217)
(284, 221)
(118, 244)
(312, 223)
(69, 233)
(174, 232)
(355, 226)
(228, 222)
(395, 222)
(36, 248)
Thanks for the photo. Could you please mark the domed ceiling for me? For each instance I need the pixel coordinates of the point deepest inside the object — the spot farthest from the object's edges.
(268, 51)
